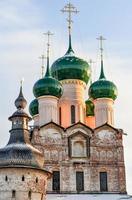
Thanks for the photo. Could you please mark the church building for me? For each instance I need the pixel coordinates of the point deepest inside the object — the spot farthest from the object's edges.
(73, 147)
(78, 138)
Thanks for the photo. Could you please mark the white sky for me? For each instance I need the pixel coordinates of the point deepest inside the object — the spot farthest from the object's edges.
(21, 43)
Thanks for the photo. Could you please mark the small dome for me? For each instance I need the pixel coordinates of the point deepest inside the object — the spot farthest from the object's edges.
(89, 108)
(71, 67)
(103, 88)
(33, 107)
(20, 102)
(47, 86)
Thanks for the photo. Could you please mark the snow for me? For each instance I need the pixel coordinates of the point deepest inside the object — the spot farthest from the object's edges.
(87, 197)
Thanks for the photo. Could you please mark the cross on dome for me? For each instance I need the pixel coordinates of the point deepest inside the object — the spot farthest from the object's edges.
(42, 57)
(101, 39)
(48, 34)
(70, 9)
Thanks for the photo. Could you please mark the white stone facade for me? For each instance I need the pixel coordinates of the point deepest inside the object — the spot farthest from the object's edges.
(104, 111)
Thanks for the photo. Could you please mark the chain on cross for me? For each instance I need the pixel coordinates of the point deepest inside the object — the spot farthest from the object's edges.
(70, 9)
(101, 39)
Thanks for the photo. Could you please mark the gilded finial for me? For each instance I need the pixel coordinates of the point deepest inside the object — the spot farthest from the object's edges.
(21, 82)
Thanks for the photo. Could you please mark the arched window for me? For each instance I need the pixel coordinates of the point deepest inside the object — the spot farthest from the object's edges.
(13, 193)
(73, 114)
(60, 115)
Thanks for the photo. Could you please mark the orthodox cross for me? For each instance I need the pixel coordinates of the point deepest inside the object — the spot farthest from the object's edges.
(42, 57)
(48, 34)
(101, 39)
(91, 62)
(70, 9)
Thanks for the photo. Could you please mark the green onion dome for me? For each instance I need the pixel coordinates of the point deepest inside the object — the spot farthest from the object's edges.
(33, 108)
(89, 108)
(47, 86)
(71, 67)
(103, 88)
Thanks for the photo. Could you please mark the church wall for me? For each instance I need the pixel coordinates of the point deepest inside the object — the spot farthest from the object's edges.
(105, 155)
(26, 184)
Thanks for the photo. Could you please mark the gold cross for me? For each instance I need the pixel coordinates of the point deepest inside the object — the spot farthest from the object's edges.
(42, 57)
(91, 62)
(101, 39)
(69, 8)
(48, 34)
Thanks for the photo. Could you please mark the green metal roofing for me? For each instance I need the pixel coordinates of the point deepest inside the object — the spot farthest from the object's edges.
(47, 85)
(103, 88)
(89, 108)
(71, 67)
(33, 107)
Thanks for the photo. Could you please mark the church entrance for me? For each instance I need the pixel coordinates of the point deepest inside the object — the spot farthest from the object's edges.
(103, 182)
(79, 181)
(56, 181)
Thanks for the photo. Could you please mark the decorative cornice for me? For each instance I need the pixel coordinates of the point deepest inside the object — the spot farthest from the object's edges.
(74, 81)
(47, 97)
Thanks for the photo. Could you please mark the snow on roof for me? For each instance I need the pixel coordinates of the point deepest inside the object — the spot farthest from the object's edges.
(87, 197)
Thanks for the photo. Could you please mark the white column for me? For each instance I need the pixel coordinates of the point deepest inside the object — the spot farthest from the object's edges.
(104, 111)
(48, 109)
(73, 94)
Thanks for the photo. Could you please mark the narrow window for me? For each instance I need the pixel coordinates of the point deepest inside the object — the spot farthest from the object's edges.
(56, 181)
(60, 115)
(79, 181)
(23, 178)
(103, 182)
(6, 178)
(73, 114)
(13, 193)
(29, 194)
(37, 180)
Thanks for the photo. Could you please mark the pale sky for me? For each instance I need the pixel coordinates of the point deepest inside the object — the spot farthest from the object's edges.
(22, 24)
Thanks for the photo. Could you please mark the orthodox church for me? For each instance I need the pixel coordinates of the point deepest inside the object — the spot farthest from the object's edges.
(77, 137)
(72, 138)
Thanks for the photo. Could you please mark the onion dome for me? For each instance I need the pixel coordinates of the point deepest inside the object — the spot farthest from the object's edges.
(20, 102)
(89, 108)
(19, 151)
(103, 88)
(33, 108)
(47, 85)
(71, 67)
